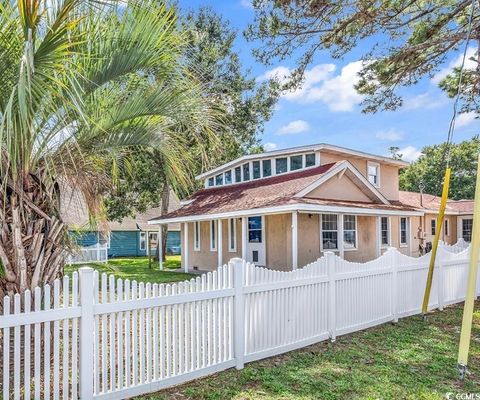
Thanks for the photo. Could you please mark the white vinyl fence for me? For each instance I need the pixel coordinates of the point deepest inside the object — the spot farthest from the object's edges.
(88, 254)
(95, 337)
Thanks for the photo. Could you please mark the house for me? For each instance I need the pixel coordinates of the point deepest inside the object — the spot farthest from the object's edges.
(283, 209)
(131, 237)
(458, 220)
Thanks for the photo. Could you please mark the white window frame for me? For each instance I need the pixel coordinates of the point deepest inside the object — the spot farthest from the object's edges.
(232, 234)
(197, 235)
(355, 230)
(461, 228)
(407, 223)
(433, 226)
(328, 230)
(446, 228)
(142, 241)
(377, 166)
(213, 235)
(389, 233)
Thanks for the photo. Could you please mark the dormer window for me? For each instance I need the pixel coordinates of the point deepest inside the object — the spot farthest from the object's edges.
(309, 160)
(238, 174)
(296, 162)
(246, 172)
(281, 165)
(228, 177)
(267, 168)
(256, 169)
(373, 171)
(219, 179)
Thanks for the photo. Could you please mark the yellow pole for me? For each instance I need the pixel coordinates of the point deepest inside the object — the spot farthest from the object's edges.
(441, 214)
(471, 283)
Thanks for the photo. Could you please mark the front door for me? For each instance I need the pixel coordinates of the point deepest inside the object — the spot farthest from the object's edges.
(256, 240)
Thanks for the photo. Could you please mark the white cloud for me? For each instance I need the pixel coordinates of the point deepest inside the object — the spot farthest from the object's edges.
(425, 101)
(294, 127)
(321, 84)
(390, 135)
(465, 119)
(457, 62)
(246, 3)
(270, 146)
(410, 153)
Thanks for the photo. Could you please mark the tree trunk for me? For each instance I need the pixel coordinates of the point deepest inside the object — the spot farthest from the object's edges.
(33, 239)
(165, 205)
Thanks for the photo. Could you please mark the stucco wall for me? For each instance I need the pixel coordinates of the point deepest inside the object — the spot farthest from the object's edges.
(388, 174)
(278, 241)
(366, 240)
(451, 238)
(308, 238)
(339, 189)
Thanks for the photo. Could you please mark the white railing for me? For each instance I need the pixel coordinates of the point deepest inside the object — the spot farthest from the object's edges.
(97, 337)
(85, 255)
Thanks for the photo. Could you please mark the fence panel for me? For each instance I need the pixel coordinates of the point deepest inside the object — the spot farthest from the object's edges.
(89, 254)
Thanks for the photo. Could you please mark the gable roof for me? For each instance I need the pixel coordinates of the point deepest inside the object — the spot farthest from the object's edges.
(429, 202)
(299, 149)
(275, 191)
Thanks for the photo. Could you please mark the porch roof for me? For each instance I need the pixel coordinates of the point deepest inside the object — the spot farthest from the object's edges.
(275, 194)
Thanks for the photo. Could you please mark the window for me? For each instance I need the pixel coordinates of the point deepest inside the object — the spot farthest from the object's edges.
(246, 172)
(152, 241)
(296, 162)
(256, 169)
(232, 236)
(213, 235)
(196, 234)
(309, 160)
(143, 240)
(281, 165)
(349, 232)
(238, 174)
(329, 232)
(403, 231)
(385, 231)
(446, 227)
(210, 181)
(219, 179)
(267, 167)
(467, 225)
(433, 226)
(255, 229)
(228, 177)
(373, 173)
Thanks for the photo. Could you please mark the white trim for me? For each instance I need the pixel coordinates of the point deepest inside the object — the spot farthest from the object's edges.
(294, 240)
(341, 167)
(400, 232)
(185, 246)
(142, 238)
(300, 207)
(377, 166)
(433, 224)
(230, 248)
(389, 231)
(160, 247)
(197, 230)
(303, 149)
(321, 234)
(220, 242)
(244, 238)
(446, 228)
(213, 234)
(341, 241)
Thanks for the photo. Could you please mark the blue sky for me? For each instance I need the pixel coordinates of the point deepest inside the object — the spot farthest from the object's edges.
(325, 109)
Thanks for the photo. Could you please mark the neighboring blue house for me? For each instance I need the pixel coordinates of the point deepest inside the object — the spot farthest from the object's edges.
(128, 238)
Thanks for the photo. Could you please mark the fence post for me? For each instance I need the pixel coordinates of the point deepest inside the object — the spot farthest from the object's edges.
(332, 321)
(440, 277)
(394, 257)
(98, 252)
(239, 312)
(86, 333)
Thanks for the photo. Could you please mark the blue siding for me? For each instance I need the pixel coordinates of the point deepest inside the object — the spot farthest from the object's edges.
(173, 242)
(124, 244)
(87, 238)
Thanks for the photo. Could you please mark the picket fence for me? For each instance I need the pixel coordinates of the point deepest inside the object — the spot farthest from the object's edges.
(97, 337)
(85, 255)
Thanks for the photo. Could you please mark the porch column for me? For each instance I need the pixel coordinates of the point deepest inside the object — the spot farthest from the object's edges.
(340, 236)
(185, 245)
(294, 240)
(379, 236)
(244, 238)
(160, 247)
(219, 242)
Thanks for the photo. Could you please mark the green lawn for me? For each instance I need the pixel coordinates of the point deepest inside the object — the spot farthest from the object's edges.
(137, 269)
(409, 360)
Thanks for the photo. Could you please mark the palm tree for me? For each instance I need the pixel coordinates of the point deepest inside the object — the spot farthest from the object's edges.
(76, 92)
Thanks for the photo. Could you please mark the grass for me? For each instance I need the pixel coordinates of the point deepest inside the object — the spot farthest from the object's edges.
(409, 360)
(136, 268)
